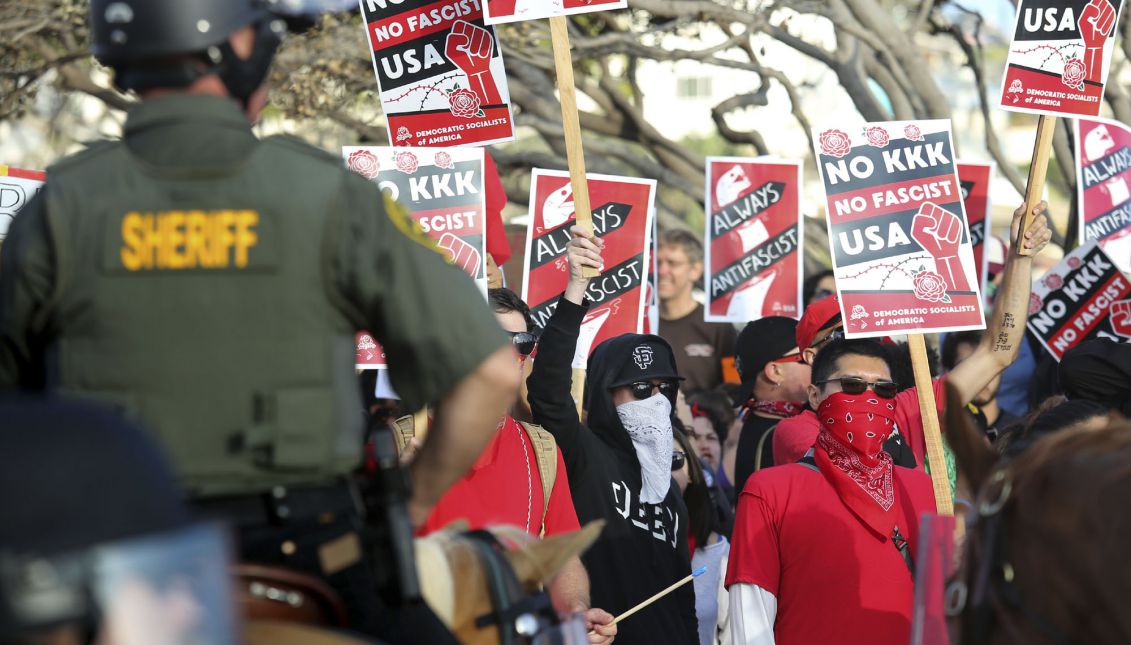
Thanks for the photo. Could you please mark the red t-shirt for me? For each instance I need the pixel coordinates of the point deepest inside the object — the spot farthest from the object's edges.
(498, 246)
(504, 487)
(836, 580)
(793, 437)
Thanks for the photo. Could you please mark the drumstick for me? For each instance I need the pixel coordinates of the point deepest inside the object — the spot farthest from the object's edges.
(698, 572)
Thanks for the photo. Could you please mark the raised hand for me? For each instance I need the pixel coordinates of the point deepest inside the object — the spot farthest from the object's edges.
(939, 232)
(470, 47)
(1095, 23)
(461, 254)
(583, 251)
(1038, 233)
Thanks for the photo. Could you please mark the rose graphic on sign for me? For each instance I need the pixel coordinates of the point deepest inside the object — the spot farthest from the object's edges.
(835, 143)
(1074, 74)
(1075, 263)
(877, 137)
(364, 163)
(930, 286)
(464, 103)
(406, 162)
(403, 134)
(1054, 281)
(858, 312)
(367, 345)
(443, 160)
(912, 133)
(1035, 304)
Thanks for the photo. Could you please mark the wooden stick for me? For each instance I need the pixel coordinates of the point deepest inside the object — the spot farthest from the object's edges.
(577, 389)
(659, 595)
(933, 438)
(1042, 149)
(575, 154)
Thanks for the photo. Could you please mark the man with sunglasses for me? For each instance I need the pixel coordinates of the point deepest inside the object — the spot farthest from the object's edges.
(996, 351)
(833, 535)
(505, 485)
(620, 461)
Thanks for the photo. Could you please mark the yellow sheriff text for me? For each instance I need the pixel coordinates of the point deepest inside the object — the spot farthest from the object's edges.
(177, 240)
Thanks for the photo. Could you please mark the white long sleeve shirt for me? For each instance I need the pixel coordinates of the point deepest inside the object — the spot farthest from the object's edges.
(752, 614)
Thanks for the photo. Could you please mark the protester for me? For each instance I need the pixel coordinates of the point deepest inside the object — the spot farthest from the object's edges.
(774, 382)
(222, 308)
(1098, 370)
(1057, 414)
(818, 286)
(709, 547)
(508, 483)
(700, 347)
(620, 465)
(994, 353)
(989, 416)
(711, 417)
(823, 550)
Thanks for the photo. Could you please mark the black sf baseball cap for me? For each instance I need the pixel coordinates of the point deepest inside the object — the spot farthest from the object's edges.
(648, 359)
(759, 343)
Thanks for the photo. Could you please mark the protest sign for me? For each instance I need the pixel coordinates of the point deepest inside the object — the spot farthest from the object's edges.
(442, 188)
(622, 218)
(753, 235)
(1103, 187)
(17, 187)
(500, 11)
(440, 72)
(974, 181)
(1060, 55)
(1083, 297)
(900, 242)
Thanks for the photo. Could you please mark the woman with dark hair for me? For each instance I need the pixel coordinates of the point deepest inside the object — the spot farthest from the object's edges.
(818, 286)
(709, 548)
(1056, 414)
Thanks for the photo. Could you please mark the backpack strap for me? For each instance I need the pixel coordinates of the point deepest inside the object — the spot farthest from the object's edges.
(761, 447)
(546, 454)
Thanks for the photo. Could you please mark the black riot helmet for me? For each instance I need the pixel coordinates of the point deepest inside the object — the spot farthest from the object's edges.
(172, 43)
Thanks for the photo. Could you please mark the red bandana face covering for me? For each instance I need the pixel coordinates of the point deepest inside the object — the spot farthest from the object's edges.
(850, 454)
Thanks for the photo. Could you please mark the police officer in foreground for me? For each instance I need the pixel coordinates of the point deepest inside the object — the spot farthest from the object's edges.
(210, 283)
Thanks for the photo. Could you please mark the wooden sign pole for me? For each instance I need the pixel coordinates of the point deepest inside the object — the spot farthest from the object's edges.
(575, 155)
(944, 504)
(1042, 150)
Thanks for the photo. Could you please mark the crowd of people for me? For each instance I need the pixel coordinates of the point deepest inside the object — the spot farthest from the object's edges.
(781, 466)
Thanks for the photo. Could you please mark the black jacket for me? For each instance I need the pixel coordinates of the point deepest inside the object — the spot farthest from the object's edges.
(644, 546)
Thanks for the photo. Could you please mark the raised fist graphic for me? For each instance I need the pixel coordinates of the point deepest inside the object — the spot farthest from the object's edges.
(469, 47)
(1121, 318)
(462, 254)
(939, 232)
(1096, 21)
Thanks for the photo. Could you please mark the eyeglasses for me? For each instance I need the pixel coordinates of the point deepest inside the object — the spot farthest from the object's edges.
(643, 389)
(523, 341)
(679, 458)
(857, 385)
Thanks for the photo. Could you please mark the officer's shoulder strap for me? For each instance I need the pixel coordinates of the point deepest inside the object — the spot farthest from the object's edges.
(546, 454)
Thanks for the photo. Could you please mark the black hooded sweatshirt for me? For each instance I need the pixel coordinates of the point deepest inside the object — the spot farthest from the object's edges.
(644, 547)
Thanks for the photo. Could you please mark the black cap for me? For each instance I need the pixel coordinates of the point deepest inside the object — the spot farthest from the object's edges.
(760, 342)
(74, 475)
(134, 30)
(648, 360)
(1098, 370)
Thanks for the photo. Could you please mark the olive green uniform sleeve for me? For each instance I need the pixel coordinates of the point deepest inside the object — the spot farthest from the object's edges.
(27, 278)
(429, 316)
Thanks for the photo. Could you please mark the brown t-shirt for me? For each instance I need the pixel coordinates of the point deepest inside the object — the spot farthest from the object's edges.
(699, 348)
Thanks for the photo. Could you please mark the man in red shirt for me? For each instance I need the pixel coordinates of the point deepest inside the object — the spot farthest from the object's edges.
(505, 486)
(997, 351)
(823, 550)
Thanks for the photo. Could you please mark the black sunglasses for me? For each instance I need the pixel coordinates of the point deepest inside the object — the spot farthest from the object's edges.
(523, 341)
(679, 458)
(643, 389)
(857, 385)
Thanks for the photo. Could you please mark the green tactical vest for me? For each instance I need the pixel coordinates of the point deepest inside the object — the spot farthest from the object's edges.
(200, 303)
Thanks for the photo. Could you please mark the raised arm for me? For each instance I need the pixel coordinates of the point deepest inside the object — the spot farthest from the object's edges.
(1006, 329)
(548, 387)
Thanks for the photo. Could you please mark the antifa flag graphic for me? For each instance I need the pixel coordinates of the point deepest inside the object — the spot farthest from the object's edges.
(623, 220)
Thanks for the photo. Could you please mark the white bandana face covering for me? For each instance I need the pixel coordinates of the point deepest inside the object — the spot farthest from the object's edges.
(649, 424)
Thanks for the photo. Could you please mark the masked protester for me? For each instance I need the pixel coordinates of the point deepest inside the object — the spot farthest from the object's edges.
(823, 550)
(620, 466)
